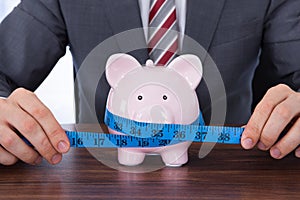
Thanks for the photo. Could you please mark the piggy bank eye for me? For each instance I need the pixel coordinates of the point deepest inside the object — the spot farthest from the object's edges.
(140, 97)
(165, 97)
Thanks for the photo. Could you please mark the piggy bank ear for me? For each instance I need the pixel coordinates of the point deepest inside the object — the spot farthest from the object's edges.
(190, 67)
(117, 66)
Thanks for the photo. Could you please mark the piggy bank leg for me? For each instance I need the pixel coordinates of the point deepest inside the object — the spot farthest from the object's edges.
(175, 155)
(130, 157)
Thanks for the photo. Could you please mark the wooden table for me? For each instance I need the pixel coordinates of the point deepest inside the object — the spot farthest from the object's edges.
(228, 172)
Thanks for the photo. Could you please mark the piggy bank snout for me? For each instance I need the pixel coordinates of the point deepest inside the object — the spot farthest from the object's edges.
(154, 114)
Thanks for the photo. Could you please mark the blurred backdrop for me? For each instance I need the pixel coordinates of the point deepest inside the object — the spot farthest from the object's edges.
(57, 91)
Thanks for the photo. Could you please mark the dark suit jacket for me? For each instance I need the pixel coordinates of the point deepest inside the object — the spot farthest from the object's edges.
(241, 36)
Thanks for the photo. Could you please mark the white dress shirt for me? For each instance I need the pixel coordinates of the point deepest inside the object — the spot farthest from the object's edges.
(180, 13)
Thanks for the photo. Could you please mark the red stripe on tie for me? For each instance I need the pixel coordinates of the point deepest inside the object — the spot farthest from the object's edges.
(159, 34)
(155, 8)
(168, 55)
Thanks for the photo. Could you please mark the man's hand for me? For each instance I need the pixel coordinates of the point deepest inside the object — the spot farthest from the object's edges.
(23, 112)
(279, 108)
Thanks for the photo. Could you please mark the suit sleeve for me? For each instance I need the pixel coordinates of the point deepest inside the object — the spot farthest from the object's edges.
(33, 38)
(280, 54)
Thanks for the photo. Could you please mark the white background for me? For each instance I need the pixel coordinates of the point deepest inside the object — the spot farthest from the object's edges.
(57, 91)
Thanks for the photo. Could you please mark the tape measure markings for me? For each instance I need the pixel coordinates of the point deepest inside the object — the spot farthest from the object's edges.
(143, 134)
(221, 134)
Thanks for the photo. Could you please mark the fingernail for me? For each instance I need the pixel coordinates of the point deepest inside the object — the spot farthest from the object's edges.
(38, 160)
(275, 153)
(298, 153)
(56, 158)
(62, 146)
(247, 143)
(261, 146)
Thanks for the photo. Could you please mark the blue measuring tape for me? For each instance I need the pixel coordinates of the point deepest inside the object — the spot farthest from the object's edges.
(143, 134)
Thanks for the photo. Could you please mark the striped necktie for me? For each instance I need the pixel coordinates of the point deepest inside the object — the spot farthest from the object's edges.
(163, 31)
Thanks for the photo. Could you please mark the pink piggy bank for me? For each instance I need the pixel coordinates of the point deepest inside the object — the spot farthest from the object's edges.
(157, 95)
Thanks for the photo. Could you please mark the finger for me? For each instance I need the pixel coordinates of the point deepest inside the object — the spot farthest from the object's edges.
(32, 131)
(7, 158)
(14, 145)
(288, 143)
(263, 110)
(281, 116)
(45, 118)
